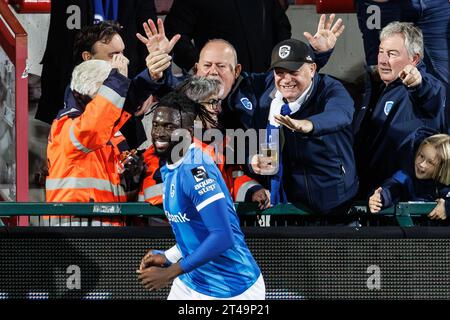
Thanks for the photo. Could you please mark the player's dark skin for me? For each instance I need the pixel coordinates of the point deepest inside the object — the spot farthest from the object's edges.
(152, 276)
(151, 273)
(165, 122)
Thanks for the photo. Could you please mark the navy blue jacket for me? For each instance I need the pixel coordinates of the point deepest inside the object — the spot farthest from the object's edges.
(250, 98)
(386, 119)
(404, 186)
(319, 167)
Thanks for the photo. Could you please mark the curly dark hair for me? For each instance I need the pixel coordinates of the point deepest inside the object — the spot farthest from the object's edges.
(89, 35)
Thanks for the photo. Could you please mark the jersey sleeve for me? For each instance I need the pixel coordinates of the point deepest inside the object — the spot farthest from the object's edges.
(200, 184)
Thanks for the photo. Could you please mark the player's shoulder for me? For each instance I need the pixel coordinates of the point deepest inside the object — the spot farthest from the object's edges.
(198, 166)
(197, 156)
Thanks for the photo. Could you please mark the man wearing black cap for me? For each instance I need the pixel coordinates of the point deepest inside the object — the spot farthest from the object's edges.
(315, 111)
(246, 96)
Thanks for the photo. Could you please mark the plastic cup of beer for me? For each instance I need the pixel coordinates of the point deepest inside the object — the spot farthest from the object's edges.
(270, 150)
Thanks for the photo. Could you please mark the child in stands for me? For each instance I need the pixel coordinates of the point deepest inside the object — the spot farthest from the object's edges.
(427, 180)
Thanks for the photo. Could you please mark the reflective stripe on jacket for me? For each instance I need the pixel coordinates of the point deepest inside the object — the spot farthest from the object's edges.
(82, 151)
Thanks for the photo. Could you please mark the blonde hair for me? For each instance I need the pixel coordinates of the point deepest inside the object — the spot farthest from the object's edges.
(88, 77)
(441, 143)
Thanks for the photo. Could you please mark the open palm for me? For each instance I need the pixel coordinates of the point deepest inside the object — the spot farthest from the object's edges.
(156, 39)
(326, 35)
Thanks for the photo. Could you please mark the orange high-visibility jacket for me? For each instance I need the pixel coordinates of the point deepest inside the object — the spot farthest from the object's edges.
(237, 182)
(82, 149)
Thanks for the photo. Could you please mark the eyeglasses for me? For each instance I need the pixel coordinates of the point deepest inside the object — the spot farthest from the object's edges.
(212, 102)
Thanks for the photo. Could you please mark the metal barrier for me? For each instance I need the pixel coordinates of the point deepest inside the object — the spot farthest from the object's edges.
(402, 214)
(13, 40)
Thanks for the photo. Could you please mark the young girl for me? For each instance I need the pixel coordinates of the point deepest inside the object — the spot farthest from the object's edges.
(429, 179)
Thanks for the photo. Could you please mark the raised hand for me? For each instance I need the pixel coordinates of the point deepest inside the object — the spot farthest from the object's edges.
(156, 37)
(410, 76)
(304, 126)
(375, 203)
(326, 35)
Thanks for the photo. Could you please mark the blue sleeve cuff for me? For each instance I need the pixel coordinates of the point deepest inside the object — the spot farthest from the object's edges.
(447, 207)
(117, 82)
(386, 199)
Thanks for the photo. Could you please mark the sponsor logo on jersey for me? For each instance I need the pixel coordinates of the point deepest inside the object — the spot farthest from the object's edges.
(205, 186)
(388, 106)
(199, 173)
(247, 103)
(177, 218)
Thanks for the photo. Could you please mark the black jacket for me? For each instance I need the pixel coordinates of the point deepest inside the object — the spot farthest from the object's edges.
(58, 57)
(253, 27)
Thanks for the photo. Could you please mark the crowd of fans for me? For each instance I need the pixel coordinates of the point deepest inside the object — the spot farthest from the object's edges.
(324, 154)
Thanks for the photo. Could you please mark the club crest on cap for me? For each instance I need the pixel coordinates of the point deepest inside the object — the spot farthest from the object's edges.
(284, 51)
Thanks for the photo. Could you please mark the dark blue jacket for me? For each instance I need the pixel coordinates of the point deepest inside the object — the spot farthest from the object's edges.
(249, 100)
(404, 186)
(388, 117)
(319, 167)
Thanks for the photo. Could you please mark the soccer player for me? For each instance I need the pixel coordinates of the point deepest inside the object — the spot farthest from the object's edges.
(211, 259)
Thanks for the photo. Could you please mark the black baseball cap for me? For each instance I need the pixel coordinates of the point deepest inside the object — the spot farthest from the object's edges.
(291, 54)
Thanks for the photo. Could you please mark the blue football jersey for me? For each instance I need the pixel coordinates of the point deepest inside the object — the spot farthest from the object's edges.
(191, 188)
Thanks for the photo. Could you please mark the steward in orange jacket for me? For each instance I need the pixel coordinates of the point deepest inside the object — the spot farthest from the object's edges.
(241, 187)
(83, 147)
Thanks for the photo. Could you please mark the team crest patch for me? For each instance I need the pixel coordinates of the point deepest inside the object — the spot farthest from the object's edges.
(284, 51)
(199, 173)
(388, 106)
(172, 190)
(247, 103)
